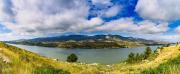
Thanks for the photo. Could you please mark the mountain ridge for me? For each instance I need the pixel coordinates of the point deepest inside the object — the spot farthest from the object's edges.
(85, 41)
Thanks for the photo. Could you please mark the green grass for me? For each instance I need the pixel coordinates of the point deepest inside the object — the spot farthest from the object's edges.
(49, 70)
(170, 67)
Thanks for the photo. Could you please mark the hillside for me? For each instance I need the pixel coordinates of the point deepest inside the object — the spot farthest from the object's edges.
(83, 41)
(19, 61)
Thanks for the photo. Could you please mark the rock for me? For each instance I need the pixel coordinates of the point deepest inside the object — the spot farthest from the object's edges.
(94, 64)
(55, 59)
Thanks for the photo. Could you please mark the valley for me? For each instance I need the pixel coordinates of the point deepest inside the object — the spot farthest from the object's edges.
(28, 63)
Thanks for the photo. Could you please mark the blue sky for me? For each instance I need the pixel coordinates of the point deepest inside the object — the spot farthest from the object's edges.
(149, 19)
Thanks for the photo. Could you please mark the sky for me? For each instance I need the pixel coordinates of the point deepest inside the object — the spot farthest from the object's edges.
(148, 19)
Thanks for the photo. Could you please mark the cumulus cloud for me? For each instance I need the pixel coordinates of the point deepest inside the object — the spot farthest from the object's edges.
(46, 16)
(101, 1)
(177, 29)
(170, 37)
(113, 11)
(162, 10)
(29, 18)
(158, 37)
(5, 12)
(128, 25)
(13, 36)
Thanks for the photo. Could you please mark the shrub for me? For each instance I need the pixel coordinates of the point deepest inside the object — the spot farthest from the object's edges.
(147, 53)
(49, 70)
(131, 57)
(72, 58)
(136, 57)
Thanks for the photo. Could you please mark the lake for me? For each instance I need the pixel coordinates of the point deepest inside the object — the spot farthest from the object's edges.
(102, 56)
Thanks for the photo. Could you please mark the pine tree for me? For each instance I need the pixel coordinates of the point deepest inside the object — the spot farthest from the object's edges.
(131, 57)
(72, 58)
(147, 53)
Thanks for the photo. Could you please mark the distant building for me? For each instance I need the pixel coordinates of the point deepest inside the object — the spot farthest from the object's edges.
(91, 41)
(107, 37)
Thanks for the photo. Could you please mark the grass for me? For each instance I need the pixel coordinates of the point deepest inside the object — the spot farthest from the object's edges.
(49, 70)
(25, 62)
(171, 67)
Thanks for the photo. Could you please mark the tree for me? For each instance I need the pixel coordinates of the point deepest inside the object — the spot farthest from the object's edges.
(156, 51)
(147, 53)
(131, 58)
(72, 58)
(167, 45)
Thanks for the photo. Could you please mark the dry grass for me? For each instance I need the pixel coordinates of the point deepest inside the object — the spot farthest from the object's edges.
(26, 66)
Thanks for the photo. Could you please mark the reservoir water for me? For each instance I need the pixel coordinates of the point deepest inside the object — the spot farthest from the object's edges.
(102, 56)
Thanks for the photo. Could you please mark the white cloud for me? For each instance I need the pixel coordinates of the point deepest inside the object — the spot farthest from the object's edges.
(11, 36)
(47, 16)
(149, 27)
(158, 37)
(29, 18)
(168, 38)
(113, 11)
(96, 21)
(101, 1)
(5, 12)
(128, 25)
(171, 37)
(177, 29)
(162, 10)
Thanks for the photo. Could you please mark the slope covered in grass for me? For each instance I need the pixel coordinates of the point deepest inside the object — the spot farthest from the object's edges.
(19, 61)
(164, 54)
(170, 67)
(24, 62)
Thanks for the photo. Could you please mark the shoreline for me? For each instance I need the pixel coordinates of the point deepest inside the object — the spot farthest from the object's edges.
(77, 68)
(91, 48)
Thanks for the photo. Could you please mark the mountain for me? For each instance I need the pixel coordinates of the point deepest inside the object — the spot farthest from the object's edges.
(85, 41)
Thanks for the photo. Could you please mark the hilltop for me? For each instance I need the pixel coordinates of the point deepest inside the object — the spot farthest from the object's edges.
(84, 41)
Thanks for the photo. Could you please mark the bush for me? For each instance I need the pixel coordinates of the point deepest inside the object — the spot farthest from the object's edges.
(131, 58)
(72, 58)
(136, 57)
(147, 53)
(49, 70)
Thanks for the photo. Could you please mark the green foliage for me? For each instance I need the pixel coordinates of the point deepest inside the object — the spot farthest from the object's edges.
(131, 58)
(171, 67)
(49, 70)
(72, 58)
(137, 58)
(147, 53)
(166, 45)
